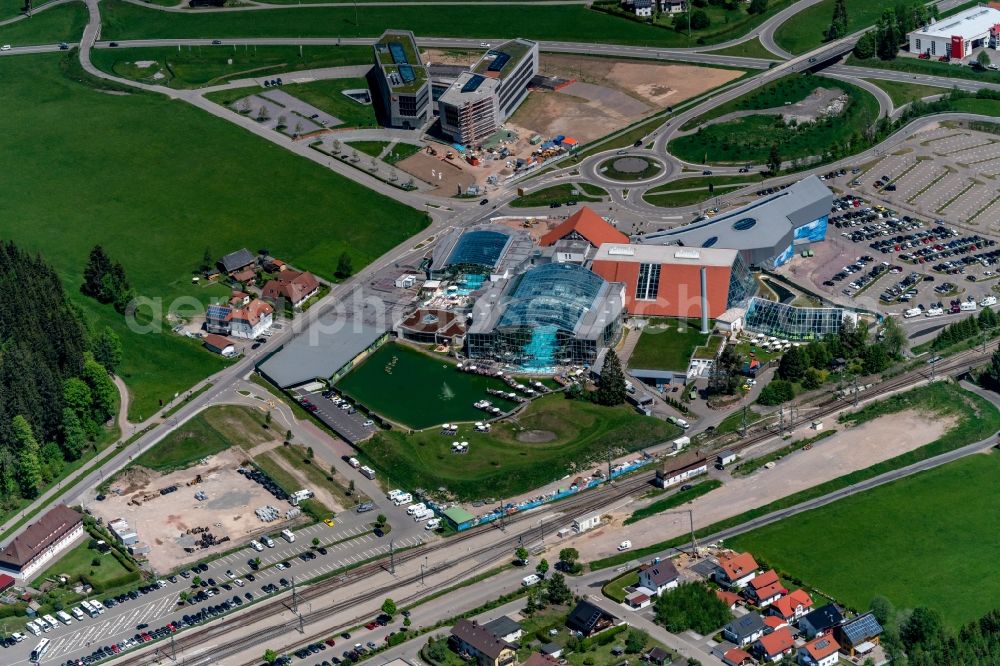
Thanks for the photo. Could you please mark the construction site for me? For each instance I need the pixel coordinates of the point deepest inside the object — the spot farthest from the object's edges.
(207, 508)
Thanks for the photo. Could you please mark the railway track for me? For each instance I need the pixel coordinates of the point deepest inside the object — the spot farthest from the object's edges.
(574, 505)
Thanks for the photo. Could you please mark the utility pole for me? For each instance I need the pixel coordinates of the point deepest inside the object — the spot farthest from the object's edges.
(855, 378)
(743, 423)
(781, 420)
(609, 467)
(392, 557)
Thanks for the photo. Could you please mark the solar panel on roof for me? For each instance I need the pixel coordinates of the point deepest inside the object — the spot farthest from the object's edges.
(218, 311)
(406, 71)
(862, 628)
(499, 62)
(473, 83)
(398, 54)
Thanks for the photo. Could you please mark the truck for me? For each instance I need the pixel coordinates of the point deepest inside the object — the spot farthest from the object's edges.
(393, 494)
(681, 442)
(300, 495)
(288, 535)
(912, 312)
(368, 472)
(64, 617)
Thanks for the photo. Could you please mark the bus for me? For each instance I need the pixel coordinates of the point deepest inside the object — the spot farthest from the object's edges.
(40, 650)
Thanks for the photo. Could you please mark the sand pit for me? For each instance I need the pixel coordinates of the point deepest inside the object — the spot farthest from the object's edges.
(849, 450)
(162, 521)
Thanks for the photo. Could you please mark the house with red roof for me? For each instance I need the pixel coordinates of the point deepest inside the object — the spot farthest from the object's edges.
(774, 646)
(250, 321)
(728, 598)
(821, 651)
(735, 570)
(292, 286)
(584, 225)
(765, 589)
(772, 622)
(792, 606)
(737, 657)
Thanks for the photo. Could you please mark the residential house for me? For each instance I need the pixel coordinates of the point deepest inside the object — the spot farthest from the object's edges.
(659, 576)
(657, 656)
(238, 299)
(589, 619)
(218, 344)
(218, 318)
(728, 598)
(820, 621)
(643, 8)
(234, 262)
(472, 639)
(745, 629)
(765, 589)
(737, 657)
(41, 542)
(792, 606)
(822, 651)
(773, 622)
(736, 569)
(774, 646)
(291, 286)
(858, 635)
(673, 6)
(251, 321)
(505, 629)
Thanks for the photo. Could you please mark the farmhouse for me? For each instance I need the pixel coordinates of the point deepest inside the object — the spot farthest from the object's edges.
(291, 286)
(41, 542)
(473, 639)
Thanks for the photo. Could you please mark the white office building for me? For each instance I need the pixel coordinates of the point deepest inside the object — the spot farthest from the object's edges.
(958, 36)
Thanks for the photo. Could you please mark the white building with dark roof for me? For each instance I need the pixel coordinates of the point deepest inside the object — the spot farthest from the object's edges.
(41, 542)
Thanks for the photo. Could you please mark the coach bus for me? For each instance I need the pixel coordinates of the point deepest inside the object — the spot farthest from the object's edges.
(40, 650)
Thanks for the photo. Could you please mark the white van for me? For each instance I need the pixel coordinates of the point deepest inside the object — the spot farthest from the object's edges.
(287, 534)
(624, 545)
(267, 541)
(682, 423)
(78, 614)
(414, 509)
(354, 462)
(912, 312)
(405, 498)
(530, 580)
(256, 545)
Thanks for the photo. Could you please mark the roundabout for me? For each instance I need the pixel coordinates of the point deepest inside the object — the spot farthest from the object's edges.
(630, 169)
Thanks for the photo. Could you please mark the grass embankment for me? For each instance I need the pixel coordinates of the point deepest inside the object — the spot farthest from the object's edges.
(678, 498)
(667, 345)
(560, 194)
(78, 563)
(807, 29)
(211, 431)
(689, 191)
(298, 458)
(607, 168)
(197, 66)
(58, 24)
(545, 442)
(776, 94)
(904, 93)
(977, 419)
(122, 20)
(751, 48)
(114, 135)
(938, 517)
(749, 139)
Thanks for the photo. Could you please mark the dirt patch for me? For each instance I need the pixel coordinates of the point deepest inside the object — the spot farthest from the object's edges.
(164, 521)
(536, 436)
(449, 176)
(847, 451)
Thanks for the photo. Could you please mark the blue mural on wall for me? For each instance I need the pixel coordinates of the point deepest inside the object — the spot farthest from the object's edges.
(784, 256)
(813, 232)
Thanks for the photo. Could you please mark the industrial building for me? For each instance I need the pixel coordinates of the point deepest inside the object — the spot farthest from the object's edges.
(401, 79)
(479, 101)
(553, 314)
(959, 35)
(490, 251)
(672, 281)
(332, 348)
(767, 232)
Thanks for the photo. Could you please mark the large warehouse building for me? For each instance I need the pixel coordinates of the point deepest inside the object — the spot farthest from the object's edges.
(766, 232)
(481, 100)
(959, 35)
(672, 281)
(404, 89)
(551, 315)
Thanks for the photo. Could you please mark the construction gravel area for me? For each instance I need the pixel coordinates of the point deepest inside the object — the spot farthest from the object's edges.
(847, 451)
(162, 521)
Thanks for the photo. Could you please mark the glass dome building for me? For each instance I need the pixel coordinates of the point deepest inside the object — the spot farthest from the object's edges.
(553, 314)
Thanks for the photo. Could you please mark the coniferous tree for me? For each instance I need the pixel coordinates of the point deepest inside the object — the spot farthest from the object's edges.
(108, 350)
(838, 25)
(29, 469)
(611, 385)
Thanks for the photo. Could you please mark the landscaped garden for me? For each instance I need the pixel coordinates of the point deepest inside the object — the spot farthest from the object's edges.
(629, 168)
(552, 437)
(561, 194)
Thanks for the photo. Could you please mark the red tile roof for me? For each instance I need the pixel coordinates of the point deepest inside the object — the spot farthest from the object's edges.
(538, 659)
(253, 312)
(764, 580)
(291, 285)
(737, 656)
(38, 536)
(774, 622)
(821, 647)
(216, 341)
(5, 582)
(728, 598)
(587, 224)
(777, 642)
(737, 565)
(786, 605)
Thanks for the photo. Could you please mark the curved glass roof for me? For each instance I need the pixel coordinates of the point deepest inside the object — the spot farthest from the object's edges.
(480, 248)
(744, 224)
(552, 295)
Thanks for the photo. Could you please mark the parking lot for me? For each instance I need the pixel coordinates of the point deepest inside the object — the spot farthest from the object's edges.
(339, 414)
(282, 112)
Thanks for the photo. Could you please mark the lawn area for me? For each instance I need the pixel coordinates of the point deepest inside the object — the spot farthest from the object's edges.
(607, 168)
(172, 196)
(328, 96)
(297, 457)
(373, 148)
(904, 93)
(58, 24)
(122, 20)
(788, 89)
(751, 48)
(977, 419)
(501, 463)
(939, 517)
(806, 30)
(688, 198)
(77, 563)
(562, 193)
(704, 181)
(434, 391)
(400, 152)
(749, 139)
(667, 345)
(211, 431)
(196, 66)
(615, 589)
